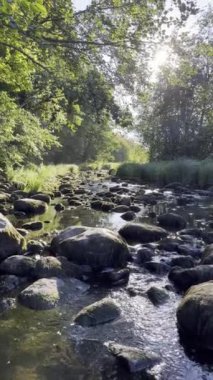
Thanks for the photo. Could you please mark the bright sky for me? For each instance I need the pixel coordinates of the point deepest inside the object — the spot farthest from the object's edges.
(81, 4)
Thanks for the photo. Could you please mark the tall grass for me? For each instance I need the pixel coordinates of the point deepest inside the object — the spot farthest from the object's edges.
(187, 172)
(40, 178)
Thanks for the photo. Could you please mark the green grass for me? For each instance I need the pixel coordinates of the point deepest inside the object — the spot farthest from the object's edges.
(98, 165)
(40, 178)
(185, 171)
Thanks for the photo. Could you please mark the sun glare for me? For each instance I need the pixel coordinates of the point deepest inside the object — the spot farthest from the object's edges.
(160, 59)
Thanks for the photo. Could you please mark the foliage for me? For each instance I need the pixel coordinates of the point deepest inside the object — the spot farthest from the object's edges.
(177, 118)
(52, 58)
(186, 172)
(40, 178)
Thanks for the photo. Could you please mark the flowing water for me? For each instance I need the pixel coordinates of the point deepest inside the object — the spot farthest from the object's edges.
(47, 345)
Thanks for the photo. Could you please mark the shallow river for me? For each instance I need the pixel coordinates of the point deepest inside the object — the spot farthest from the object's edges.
(47, 345)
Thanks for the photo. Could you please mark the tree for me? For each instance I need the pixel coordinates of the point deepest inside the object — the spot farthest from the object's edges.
(178, 119)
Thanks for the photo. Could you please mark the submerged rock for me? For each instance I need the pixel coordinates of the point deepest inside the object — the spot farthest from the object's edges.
(142, 233)
(172, 220)
(7, 304)
(30, 206)
(43, 294)
(98, 313)
(134, 359)
(11, 241)
(195, 316)
(157, 267)
(97, 247)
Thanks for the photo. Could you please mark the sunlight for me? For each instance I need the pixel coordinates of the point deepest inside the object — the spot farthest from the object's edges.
(161, 57)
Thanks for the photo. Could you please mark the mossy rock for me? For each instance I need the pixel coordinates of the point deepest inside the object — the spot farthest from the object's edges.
(98, 313)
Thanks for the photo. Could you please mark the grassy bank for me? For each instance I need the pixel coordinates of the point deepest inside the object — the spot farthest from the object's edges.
(40, 178)
(187, 172)
(98, 165)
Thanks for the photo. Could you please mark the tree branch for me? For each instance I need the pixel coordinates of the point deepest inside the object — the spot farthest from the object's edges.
(25, 54)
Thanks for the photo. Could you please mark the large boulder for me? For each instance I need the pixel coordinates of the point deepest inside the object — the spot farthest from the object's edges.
(30, 206)
(172, 220)
(97, 247)
(11, 241)
(43, 294)
(69, 232)
(184, 278)
(98, 313)
(195, 316)
(142, 233)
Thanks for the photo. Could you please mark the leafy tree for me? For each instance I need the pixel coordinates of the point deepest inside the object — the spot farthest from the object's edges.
(177, 117)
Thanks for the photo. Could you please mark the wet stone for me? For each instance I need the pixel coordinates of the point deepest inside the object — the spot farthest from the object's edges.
(134, 359)
(157, 296)
(97, 313)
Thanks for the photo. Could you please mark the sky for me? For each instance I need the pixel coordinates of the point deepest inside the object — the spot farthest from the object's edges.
(81, 4)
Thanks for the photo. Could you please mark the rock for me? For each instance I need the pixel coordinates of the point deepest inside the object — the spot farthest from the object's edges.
(59, 207)
(126, 201)
(22, 231)
(33, 226)
(11, 241)
(157, 267)
(18, 265)
(134, 359)
(172, 220)
(30, 206)
(196, 232)
(182, 261)
(42, 197)
(114, 277)
(10, 282)
(189, 250)
(194, 316)
(129, 215)
(7, 304)
(43, 294)
(69, 232)
(135, 208)
(50, 266)
(157, 296)
(208, 237)
(35, 247)
(121, 208)
(184, 278)
(97, 247)
(144, 255)
(142, 233)
(98, 313)
(207, 256)
(169, 245)
(4, 197)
